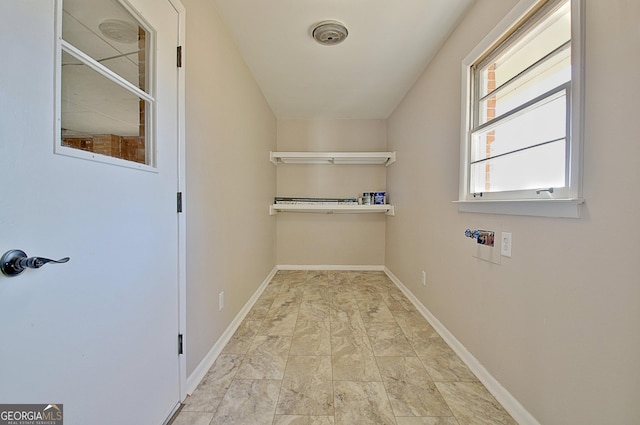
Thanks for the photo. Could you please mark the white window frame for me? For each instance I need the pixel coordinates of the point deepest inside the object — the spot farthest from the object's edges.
(149, 97)
(560, 203)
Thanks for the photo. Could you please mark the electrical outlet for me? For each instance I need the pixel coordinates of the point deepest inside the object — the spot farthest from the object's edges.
(505, 249)
(423, 278)
(220, 301)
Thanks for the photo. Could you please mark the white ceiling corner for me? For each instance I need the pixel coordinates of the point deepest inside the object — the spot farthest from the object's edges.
(390, 43)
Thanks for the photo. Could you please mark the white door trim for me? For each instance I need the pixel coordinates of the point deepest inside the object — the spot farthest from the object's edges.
(182, 221)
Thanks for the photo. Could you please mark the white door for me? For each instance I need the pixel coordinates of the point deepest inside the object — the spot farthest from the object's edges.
(98, 334)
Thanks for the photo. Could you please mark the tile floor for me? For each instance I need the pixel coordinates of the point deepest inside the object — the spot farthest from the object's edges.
(338, 348)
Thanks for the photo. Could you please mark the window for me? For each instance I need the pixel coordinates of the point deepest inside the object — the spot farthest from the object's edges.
(105, 103)
(521, 135)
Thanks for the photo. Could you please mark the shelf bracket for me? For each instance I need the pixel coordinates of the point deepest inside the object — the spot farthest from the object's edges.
(273, 159)
(391, 160)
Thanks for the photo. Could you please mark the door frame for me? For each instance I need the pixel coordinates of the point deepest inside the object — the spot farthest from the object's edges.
(182, 221)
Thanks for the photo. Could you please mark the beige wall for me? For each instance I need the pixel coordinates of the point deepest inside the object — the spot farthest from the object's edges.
(330, 239)
(230, 130)
(558, 324)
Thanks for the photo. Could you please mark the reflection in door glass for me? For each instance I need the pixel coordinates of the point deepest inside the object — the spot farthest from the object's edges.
(99, 113)
(109, 34)
(111, 125)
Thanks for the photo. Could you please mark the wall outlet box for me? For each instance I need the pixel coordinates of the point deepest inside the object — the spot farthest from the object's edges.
(423, 278)
(487, 249)
(220, 301)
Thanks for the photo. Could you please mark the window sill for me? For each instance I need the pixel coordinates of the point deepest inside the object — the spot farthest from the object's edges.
(559, 208)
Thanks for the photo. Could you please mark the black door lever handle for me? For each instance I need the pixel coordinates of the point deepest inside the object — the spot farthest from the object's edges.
(16, 261)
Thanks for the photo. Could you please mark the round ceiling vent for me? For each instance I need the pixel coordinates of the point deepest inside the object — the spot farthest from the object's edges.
(120, 31)
(329, 32)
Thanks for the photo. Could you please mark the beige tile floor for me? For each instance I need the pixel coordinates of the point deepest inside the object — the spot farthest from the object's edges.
(338, 348)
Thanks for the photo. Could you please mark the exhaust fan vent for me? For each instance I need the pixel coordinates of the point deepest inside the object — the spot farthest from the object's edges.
(329, 33)
(120, 31)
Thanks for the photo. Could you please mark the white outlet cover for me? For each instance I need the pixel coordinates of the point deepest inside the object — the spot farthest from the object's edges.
(506, 242)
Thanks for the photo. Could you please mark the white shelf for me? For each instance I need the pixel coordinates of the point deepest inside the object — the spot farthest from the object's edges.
(330, 209)
(346, 158)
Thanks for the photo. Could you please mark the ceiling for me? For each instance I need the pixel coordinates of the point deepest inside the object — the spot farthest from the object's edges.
(390, 43)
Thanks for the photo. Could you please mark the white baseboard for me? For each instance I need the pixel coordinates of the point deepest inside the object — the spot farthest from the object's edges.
(194, 379)
(329, 267)
(510, 404)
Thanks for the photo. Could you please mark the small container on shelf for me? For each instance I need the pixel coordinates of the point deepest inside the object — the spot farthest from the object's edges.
(379, 198)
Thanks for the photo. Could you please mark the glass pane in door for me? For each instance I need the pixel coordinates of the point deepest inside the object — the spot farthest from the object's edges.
(100, 112)
(109, 34)
(99, 115)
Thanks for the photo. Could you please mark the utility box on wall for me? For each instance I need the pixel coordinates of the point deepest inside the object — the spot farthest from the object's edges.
(485, 245)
